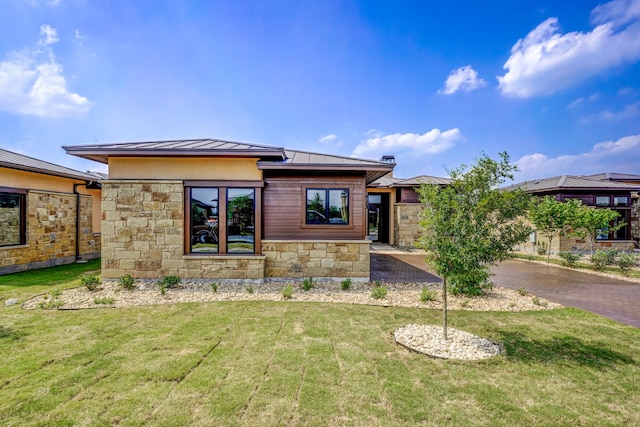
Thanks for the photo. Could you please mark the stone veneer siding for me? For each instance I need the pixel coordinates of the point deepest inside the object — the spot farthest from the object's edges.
(320, 259)
(143, 235)
(51, 233)
(406, 228)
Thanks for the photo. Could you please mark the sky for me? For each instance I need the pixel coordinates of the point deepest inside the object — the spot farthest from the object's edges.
(555, 84)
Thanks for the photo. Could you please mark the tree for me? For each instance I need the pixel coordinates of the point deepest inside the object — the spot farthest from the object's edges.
(553, 218)
(590, 222)
(471, 224)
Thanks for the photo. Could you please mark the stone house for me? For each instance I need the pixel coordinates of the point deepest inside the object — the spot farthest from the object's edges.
(219, 210)
(618, 192)
(49, 214)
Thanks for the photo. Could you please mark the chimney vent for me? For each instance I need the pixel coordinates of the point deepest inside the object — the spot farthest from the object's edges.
(388, 158)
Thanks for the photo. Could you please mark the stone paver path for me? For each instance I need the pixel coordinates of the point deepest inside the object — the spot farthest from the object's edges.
(616, 299)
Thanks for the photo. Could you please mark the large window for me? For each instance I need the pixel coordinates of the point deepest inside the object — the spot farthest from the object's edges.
(222, 220)
(12, 218)
(328, 206)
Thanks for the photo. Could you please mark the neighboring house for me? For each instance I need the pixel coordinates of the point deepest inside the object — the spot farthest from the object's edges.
(209, 209)
(39, 221)
(394, 209)
(618, 192)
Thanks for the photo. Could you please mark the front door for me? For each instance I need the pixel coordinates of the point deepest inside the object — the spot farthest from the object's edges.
(378, 217)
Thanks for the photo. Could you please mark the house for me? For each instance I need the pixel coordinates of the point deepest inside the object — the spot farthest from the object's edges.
(618, 192)
(49, 214)
(220, 210)
(394, 209)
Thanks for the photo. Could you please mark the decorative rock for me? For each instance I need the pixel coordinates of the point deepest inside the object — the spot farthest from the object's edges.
(460, 345)
(11, 301)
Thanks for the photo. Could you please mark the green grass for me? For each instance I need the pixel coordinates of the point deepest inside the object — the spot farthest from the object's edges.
(279, 363)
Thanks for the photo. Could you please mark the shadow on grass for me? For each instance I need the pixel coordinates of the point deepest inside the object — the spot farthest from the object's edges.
(51, 275)
(9, 334)
(562, 350)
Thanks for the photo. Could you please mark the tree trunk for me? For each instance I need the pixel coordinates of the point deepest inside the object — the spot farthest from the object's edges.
(444, 308)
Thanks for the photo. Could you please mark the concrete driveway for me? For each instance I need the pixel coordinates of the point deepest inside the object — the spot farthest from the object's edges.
(616, 299)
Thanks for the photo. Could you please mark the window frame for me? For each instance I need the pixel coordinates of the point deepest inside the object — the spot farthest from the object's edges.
(22, 202)
(327, 207)
(223, 187)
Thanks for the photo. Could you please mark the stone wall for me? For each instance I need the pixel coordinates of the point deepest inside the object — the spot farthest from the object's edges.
(51, 233)
(9, 226)
(406, 227)
(320, 259)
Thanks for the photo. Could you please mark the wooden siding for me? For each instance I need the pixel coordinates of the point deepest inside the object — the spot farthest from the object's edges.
(409, 195)
(284, 208)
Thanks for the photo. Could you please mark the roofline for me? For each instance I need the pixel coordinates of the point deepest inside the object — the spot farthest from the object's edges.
(102, 156)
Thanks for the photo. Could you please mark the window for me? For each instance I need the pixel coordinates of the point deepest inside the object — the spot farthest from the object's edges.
(12, 218)
(241, 220)
(222, 220)
(602, 201)
(621, 201)
(328, 206)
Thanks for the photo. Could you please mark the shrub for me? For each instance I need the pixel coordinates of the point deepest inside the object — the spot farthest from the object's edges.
(345, 284)
(168, 282)
(249, 289)
(90, 281)
(522, 291)
(287, 292)
(378, 291)
(127, 282)
(625, 262)
(214, 286)
(307, 284)
(603, 257)
(51, 301)
(474, 283)
(569, 258)
(427, 295)
(537, 301)
(542, 248)
(104, 301)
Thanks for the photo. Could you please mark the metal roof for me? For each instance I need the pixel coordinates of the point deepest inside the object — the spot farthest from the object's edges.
(17, 161)
(186, 147)
(271, 158)
(387, 181)
(571, 182)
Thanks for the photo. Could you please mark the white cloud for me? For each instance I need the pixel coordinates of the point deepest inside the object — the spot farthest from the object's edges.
(620, 156)
(328, 138)
(409, 144)
(546, 61)
(463, 78)
(629, 111)
(32, 82)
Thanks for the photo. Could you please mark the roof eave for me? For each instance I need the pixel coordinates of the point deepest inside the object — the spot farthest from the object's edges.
(102, 156)
(47, 172)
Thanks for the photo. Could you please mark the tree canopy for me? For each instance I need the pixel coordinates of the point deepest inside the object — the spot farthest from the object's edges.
(471, 224)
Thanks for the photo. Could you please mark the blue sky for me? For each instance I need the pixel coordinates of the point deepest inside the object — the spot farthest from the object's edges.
(555, 84)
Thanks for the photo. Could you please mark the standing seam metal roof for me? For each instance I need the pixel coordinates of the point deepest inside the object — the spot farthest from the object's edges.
(21, 162)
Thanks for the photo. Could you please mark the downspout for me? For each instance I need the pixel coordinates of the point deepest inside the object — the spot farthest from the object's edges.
(75, 191)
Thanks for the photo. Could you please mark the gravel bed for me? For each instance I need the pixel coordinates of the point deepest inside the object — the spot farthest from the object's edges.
(425, 339)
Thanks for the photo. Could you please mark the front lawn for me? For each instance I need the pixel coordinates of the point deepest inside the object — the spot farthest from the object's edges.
(279, 363)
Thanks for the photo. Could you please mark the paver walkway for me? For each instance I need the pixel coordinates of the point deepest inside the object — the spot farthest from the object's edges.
(616, 299)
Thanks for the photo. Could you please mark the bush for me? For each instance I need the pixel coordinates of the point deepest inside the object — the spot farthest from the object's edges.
(90, 281)
(569, 259)
(127, 282)
(378, 291)
(345, 284)
(603, 257)
(542, 248)
(474, 283)
(625, 262)
(427, 295)
(104, 301)
(307, 284)
(523, 291)
(287, 292)
(168, 282)
(214, 286)
(249, 289)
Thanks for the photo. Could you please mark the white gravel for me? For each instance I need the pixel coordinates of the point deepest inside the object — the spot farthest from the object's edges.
(425, 339)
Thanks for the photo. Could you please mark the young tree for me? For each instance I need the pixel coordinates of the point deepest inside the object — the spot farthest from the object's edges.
(591, 221)
(471, 224)
(553, 218)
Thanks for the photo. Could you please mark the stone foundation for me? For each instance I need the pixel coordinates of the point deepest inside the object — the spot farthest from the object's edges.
(320, 259)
